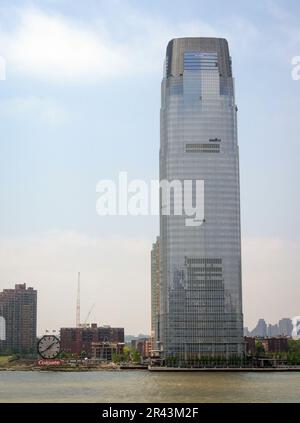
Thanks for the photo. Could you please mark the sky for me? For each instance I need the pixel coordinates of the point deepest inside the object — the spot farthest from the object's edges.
(80, 103)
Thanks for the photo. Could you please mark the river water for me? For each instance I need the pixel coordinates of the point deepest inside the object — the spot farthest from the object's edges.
(143, 386)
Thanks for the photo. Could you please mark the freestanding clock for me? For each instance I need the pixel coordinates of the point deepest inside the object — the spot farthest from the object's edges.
(48, 346)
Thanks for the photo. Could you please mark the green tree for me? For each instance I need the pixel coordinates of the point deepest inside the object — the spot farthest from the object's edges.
(294, 345)
(126, 353)
(116, 358)
(260, 350)
(136, 356)
(293, 355)
(83, 354)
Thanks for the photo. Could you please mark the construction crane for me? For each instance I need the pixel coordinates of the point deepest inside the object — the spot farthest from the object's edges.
(88, 315)
(78, 324)
(78, 302)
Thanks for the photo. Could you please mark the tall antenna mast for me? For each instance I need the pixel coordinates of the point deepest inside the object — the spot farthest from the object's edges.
(78, 303)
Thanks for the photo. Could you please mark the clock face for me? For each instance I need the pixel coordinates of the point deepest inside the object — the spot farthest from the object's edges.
(49, 346)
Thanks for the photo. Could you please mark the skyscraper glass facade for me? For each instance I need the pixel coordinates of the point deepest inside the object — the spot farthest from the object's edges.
(200, 265)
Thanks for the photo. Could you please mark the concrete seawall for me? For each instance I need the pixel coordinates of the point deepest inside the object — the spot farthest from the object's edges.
(224, 369)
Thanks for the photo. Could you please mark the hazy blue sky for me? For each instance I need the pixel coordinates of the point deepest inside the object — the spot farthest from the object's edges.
(81, 102)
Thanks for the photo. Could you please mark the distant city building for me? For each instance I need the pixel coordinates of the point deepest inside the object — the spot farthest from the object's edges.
(285, 327)
(79, 341)
(275, 344)
(273, 330)
(250, 347)
(260, 329)
(142, 346)
(129, 338)
(155, 292)
(246, 332)
(18, 309)
(105, 351)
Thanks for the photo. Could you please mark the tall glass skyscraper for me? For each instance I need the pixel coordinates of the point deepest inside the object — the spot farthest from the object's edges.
(200, 263)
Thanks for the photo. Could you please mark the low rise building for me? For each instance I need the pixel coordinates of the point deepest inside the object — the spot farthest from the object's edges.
(143, 346)
(275, 344)
(78, 341)
(105, 351)
(250, 347)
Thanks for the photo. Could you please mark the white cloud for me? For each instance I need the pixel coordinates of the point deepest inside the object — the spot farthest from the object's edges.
(54, 48)
(51, 47)
(33, 108)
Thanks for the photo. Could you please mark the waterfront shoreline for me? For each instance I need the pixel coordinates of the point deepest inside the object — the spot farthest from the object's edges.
(79, 369)
(224, 369)
(65, 368)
